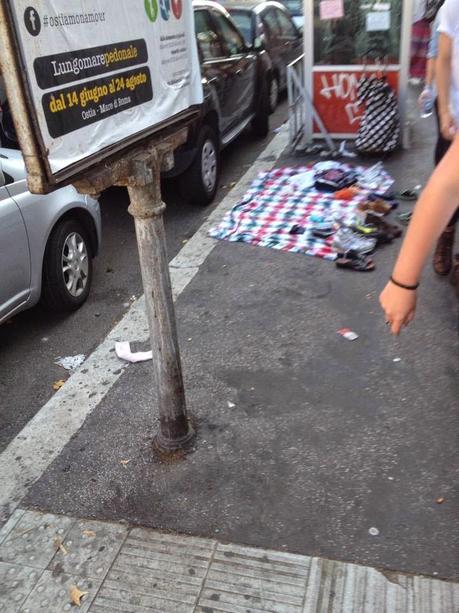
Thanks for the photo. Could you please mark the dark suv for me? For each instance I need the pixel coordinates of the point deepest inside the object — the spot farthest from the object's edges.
(271, 22)
(235, 78)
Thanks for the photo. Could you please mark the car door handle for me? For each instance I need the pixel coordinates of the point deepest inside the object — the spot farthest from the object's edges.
(239, 71)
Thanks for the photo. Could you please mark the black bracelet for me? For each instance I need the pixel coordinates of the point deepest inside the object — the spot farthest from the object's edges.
(403, 286)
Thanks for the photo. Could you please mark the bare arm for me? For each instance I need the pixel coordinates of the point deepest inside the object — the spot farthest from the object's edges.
(427, 92)
(443, 76)
(430, 72)
(433, 210)
(435, 207)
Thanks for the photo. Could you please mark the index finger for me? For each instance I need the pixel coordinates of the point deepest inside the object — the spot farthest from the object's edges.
(396, 326)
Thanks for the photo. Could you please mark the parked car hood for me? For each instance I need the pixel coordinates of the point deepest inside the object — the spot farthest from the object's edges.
(13, 163)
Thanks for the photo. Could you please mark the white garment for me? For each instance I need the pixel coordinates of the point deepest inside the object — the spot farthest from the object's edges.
(449, 25)
(419, 8)
(303, 180)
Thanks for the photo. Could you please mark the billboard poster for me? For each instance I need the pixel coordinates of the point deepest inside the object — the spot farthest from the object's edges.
(99, 71)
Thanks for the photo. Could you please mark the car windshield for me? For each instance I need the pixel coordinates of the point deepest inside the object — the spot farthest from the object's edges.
(294, 6)
(243, 20)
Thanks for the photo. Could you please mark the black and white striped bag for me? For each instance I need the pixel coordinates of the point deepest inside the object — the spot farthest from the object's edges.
(379, 130)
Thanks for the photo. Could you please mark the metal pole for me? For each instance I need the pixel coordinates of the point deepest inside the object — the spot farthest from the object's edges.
(308, 51)
(147, 209)
(405, 54)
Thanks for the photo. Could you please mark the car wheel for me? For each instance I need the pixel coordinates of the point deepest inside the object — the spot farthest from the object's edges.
(273, 93)
(67, 267)
(199, 183)
(260, 121)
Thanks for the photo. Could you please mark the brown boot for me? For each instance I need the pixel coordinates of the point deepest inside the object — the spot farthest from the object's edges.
(442, 259)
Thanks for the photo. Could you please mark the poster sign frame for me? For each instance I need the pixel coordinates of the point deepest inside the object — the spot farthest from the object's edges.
(41, 177)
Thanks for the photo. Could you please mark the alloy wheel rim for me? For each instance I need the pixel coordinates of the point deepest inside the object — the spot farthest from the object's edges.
(75, 264)
(209, 165)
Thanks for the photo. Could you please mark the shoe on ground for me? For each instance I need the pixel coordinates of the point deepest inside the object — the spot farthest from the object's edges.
(378, 207)
(391, 230)
(367, 230)
(346, 240)
(355, 261)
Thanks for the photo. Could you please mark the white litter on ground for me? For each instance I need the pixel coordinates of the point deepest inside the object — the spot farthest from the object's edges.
(123, 351)
(348, 334)
(345, 152)
(71, 362)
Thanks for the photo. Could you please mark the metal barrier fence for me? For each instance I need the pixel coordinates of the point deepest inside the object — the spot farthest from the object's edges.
(300, 102)
(296, 101)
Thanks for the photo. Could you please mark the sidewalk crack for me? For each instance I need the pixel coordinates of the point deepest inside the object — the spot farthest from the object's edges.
(123, 542)
(204, 579)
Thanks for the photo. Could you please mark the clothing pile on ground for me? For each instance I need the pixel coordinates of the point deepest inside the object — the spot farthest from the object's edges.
(331, 210)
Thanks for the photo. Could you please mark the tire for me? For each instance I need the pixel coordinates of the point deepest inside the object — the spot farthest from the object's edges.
(198, 184)
(273, 93)
(260, 122)
(67, 279)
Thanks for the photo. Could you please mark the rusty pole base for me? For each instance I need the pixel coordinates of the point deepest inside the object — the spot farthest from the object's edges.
(169, 446)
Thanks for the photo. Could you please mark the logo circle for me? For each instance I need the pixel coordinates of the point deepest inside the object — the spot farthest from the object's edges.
(177, 8)
(165, 8)
(151, 8)
(32, 21)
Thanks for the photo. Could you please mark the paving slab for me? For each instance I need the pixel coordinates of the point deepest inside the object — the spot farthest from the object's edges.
(89, 549)
(16, 583)
(242, 578)
(34, 539)
(10, 523)
(52, 594)
(157, 572)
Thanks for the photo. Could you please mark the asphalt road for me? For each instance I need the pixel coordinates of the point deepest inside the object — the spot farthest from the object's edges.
(31, 342)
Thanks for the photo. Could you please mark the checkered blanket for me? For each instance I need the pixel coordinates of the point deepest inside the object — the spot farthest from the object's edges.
(273, 204)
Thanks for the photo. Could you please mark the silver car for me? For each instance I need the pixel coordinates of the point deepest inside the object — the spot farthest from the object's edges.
(47, 243)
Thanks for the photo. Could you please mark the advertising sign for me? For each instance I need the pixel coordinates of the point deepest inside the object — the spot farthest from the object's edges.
(102, 72)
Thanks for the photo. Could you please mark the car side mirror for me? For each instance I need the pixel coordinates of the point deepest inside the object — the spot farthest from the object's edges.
(259, 43)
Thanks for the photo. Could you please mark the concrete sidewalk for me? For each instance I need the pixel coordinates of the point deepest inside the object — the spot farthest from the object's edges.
(308, 445)
(48, 559)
